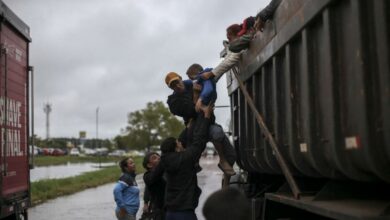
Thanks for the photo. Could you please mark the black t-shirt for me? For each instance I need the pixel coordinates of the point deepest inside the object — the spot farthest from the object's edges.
(182, 105)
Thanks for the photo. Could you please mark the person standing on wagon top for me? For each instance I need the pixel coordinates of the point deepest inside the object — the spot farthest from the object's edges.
(239, 38)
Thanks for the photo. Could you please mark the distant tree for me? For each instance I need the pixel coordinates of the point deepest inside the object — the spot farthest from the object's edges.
(37, 141)
(148, 127)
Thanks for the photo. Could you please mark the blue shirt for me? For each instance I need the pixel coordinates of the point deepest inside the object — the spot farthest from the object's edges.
(126, 194)
(208, 93)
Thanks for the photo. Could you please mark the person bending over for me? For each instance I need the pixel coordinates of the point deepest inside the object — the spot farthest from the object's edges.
(155, 183)
(182, 190)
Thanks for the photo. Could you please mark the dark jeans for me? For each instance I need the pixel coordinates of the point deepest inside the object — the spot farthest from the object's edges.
(155, 215)
(216, 134)
(181, 215)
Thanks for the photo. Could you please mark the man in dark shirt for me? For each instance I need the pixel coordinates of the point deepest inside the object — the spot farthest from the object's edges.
(155, 184)
(181, 103)
(182, 190)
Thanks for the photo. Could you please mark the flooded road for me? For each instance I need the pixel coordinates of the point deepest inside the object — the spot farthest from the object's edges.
(63, 171)
(98, 203)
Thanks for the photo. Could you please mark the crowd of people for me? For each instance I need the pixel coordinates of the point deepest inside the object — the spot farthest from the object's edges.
(171, 184)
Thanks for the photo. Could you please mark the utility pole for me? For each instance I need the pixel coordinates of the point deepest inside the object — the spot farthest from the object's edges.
(97, 123)
(47, 110)
(97, 134)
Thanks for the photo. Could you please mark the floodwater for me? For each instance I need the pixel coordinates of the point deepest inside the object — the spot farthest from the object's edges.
(98, 203)
(63, 171)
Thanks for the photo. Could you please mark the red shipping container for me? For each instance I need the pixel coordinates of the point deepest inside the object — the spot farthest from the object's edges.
(14, 114)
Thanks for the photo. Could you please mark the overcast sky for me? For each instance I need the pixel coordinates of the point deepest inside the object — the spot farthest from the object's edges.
(114, 54)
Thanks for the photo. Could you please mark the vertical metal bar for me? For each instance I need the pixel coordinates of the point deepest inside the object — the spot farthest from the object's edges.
(31, 69)
(305, 114)
(235, 127)
(1, 127)
(288, 104)
(253, 123)
(275, 110)
(286, 171)
(331, 102)
(382, 34)
(4, 144)
(242, 129)
(249, 127)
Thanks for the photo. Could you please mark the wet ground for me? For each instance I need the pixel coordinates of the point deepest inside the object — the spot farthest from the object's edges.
(98, 203)
(63, 171)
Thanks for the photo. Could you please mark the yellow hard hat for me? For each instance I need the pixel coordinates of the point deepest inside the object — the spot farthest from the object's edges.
(171, 76)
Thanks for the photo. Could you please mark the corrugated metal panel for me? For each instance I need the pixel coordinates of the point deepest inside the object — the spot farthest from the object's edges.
(14, 21)
(13, 113)
(319, 75)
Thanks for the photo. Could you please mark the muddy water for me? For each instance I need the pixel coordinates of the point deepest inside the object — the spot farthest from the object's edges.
(98, 203)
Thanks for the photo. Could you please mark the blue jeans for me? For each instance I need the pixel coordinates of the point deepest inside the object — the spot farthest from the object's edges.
(181, 215)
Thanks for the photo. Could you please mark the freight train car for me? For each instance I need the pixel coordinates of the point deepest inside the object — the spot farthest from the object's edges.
(14, 115)
(319, 77)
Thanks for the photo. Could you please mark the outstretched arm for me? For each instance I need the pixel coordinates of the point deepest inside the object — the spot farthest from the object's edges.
(266, 14)
(268, 11)
(230, 61)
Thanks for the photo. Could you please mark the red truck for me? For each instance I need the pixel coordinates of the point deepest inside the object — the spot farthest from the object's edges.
(14, 115)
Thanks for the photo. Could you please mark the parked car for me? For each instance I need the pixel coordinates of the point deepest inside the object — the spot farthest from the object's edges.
(101, 151)
(37, 150)
(117, 153)
(136, 153)
(89, 151)
(47, 151)
(74, 152)
(58, 152)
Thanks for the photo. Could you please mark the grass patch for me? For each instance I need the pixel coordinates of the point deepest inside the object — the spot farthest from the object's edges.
(52, 160)
(44, 190)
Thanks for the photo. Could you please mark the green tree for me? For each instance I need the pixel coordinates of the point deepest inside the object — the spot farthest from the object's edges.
(148, 127)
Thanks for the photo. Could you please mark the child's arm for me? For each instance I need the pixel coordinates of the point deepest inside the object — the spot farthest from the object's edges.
(205, 95)
(207, 92)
